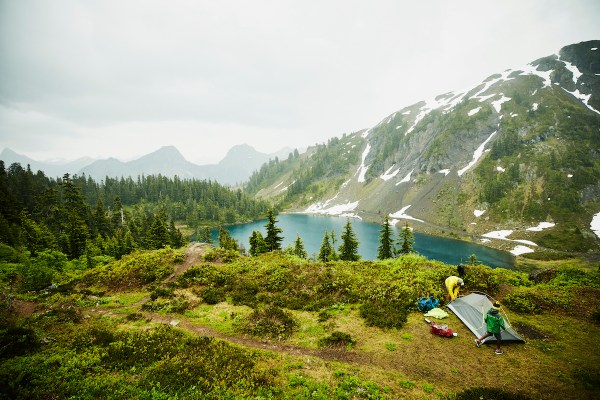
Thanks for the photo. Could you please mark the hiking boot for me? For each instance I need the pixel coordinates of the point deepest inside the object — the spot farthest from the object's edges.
(477, 343)
(498, 351)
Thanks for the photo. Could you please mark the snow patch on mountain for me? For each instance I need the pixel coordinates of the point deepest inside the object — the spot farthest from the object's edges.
(401, 214)
(446, 102)
(476, 155)
(444, 171)
(503, 235)
(473, 111)
(389, 174)
(337, 209)
(362, 170)
(574, 70)
(534, 106)
(595, 224)
(541, 226)
(518, 250)
(406, 178)
(498, 103)
(488, 84)
(585, 98)
(531, 70)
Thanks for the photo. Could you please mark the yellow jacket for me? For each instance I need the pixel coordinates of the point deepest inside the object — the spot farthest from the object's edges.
(453, 284)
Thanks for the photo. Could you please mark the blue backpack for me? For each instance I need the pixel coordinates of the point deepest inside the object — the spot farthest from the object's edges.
(425, 304)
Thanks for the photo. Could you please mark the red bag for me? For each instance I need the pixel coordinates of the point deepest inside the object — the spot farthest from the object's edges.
(442, 330)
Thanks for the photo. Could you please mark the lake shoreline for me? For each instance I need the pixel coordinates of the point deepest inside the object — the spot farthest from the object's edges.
(311, 227)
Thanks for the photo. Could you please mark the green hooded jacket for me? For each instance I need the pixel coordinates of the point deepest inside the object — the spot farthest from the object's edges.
(494, 321)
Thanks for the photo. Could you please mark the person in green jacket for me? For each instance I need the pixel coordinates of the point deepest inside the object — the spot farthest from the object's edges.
(494, 322)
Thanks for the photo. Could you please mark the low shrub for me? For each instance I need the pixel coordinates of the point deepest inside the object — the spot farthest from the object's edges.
(213, 295)
(245, 294)
(166, 293)
(523, 302)
(143, 348)
(205, 364)
(16, 340)
(270, 322)
(219, 254)
(386, 314)
(337, 339)
(176, 304)
(135, 270)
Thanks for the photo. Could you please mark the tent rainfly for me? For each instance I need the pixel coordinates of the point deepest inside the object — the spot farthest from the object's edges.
(471, 310)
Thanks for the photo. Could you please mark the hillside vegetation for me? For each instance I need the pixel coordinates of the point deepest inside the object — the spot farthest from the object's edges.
(157, 324)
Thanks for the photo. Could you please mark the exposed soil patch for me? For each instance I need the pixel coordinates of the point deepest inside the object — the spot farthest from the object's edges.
(193, 255)
(24, 308)
(530, 332)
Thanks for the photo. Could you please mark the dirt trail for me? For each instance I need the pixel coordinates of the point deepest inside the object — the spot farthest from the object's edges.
(330, 354)
(193, 256)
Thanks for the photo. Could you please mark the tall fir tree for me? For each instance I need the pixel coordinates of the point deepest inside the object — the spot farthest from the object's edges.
(349, 247)
(226, 241)
(257, 244)
(159, 233)
(299, 250)
(175, 236)
(406, 240)
(203, 235)
(76, 213)
(386, 247)
(273, 239)
(325, 252)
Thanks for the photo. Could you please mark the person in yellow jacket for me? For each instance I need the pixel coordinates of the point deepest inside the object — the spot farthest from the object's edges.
(453, 284)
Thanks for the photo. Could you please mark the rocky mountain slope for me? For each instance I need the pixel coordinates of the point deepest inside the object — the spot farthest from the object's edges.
(515, 158)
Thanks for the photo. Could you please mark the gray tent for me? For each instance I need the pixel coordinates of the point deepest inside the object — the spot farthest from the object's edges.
(472, 308)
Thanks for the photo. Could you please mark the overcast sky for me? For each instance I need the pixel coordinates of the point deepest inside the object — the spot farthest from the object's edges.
(123, 78)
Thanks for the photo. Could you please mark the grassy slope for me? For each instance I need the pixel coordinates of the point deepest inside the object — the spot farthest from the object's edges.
(557, 361)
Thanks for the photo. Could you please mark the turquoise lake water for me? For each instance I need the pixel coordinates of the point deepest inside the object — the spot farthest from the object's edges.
(311, 229)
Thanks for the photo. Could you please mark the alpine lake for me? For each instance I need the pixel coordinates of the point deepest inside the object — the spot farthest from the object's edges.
(311, 228)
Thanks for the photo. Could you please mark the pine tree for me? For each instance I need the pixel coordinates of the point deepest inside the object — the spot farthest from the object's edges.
(76, 213)
(99, 225)
(473, 260)
(257, 244)
(175, 236)
(159, 233)
(349, 247)
(299, 250)
(334, 255)
(226, 241)
(203, 235)
(386, 247)
(273, 239)
(406, 240)
(325, 252)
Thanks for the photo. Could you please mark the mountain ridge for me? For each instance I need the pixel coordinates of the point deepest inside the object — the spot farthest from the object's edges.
(515, 150)
(233, 169)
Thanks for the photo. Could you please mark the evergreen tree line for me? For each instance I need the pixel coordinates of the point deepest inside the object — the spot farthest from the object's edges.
(80, 217)
(389, 246)
(326, 161)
